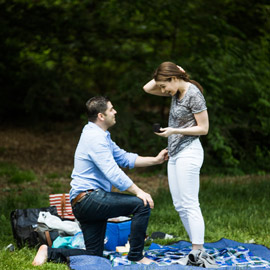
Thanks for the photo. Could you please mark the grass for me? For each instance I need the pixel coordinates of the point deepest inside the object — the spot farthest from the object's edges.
(238, 210)
(16, 175)
(234, 208)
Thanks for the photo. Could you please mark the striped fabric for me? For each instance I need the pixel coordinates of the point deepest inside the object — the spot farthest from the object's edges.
(63, 206)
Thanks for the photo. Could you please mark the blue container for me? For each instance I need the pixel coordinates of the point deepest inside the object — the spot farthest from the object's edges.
(117, 234)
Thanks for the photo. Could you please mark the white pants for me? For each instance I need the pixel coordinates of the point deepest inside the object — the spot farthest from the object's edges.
(184, 182)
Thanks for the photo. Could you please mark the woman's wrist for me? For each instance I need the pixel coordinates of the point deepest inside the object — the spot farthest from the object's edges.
(177, 130)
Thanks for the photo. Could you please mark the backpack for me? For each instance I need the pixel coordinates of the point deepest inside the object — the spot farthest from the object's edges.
(47, 235)
(23, 224)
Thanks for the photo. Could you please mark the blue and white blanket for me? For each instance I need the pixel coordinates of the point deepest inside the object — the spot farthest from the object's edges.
(227, 253)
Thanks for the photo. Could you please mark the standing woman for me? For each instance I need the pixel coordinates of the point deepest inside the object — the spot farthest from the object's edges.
(188, 119)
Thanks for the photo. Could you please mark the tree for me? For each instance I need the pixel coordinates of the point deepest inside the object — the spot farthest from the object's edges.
(55, 54)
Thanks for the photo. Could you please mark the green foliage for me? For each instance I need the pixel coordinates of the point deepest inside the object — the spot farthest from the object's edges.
(57, 54)
(238, 132)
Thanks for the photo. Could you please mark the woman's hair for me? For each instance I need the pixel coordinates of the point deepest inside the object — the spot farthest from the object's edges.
(96, 105)
(167, 70)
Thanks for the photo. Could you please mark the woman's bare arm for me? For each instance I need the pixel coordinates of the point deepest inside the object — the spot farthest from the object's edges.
(152, 88)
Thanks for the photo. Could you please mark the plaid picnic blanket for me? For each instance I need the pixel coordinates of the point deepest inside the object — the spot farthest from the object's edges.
(238, 256)
(229, 255)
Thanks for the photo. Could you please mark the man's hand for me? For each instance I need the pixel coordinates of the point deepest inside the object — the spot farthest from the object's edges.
(150, 161)
(162, 156)
(142, 195)
(146, 198)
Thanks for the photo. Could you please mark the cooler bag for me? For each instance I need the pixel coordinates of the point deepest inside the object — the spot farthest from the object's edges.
(117, 232)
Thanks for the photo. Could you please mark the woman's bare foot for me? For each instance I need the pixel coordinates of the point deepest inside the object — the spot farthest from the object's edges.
(41, 256)
(145, 260)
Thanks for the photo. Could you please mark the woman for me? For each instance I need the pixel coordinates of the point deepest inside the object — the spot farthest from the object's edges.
(188, 119)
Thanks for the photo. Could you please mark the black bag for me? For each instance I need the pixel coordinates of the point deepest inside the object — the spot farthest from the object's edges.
(24, 222)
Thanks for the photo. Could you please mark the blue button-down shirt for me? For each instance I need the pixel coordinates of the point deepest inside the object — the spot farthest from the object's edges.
(97, 160)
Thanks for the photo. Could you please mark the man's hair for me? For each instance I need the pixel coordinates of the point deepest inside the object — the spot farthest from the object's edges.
(96, 105)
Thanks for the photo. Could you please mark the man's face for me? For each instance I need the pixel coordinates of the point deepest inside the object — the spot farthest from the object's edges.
(109, 115)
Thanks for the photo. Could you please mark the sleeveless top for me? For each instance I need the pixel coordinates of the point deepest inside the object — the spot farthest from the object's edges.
(182, 116)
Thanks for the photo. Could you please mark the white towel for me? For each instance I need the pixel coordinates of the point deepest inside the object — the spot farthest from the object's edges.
(54, 222)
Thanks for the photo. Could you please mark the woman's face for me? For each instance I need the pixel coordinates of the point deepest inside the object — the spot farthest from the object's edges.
(169, 87)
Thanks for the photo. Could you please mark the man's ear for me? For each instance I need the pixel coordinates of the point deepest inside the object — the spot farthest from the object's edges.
(100, 116)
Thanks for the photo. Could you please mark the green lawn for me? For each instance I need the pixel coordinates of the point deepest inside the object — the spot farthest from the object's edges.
(236, 208)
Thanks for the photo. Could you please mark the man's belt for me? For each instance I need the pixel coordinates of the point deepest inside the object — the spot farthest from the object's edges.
(80, 197)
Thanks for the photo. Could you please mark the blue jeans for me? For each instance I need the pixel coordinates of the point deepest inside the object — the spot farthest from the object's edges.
(92, 213)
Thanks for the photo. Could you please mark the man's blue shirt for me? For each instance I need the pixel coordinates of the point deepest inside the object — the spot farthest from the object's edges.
(97, 160)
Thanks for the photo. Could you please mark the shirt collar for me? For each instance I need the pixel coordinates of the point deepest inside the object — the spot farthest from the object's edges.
(95, 126)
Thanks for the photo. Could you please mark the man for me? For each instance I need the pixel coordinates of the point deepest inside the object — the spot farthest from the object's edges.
(96, 170)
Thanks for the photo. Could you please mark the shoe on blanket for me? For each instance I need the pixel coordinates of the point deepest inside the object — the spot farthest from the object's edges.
(201, 258)
(182, 261)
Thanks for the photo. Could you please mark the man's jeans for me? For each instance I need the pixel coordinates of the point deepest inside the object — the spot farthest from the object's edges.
(92, 213)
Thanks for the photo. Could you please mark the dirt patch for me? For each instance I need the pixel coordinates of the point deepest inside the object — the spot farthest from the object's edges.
(40, 152)
(47, 153)
(52, 152)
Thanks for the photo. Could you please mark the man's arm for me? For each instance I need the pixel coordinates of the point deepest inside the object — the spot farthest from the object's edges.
(101, 155)
(149, 161)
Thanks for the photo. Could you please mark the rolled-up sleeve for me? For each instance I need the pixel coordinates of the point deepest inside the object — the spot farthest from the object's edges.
(123, 158)
(101, 154)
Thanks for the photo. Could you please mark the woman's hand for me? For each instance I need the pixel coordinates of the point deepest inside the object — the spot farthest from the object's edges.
(200, 129)
(181, 68)
(166, 132)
